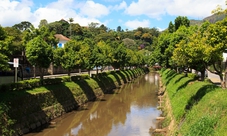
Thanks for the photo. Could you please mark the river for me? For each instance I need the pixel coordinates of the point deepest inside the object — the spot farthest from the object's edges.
(130, 111)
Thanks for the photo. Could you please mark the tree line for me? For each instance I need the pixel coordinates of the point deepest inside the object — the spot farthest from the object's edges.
(180, 46)
(200, 47)
(89, 46)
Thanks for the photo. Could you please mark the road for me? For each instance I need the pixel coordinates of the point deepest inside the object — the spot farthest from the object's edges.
(213, 77)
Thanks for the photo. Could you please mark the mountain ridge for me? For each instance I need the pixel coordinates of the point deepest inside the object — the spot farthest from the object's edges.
(212, 19)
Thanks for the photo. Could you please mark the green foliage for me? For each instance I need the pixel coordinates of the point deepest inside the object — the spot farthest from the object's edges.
(119, 57)
(24, 25)
(181, 21)
(21, 85)
(39, 53)
(6, 49)
(102, 54)
(192, 75)
(60, 27)
(75, 54)
(4, 62)
(6, 122)
(66, 79)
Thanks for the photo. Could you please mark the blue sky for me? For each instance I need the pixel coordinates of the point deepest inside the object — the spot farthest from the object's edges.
(112, 13)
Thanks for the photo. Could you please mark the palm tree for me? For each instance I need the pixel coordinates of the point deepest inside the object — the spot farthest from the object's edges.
(70, 27)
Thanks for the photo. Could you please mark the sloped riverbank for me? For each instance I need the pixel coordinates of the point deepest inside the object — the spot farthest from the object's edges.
(192, 107)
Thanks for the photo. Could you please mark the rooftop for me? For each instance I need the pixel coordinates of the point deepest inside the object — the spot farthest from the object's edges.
(61, 37)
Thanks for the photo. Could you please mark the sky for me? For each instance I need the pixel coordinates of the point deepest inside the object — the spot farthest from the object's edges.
(129, 14)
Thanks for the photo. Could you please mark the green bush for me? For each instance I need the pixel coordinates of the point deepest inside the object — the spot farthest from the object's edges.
(85, 76)
(66, 79)
(192, 75)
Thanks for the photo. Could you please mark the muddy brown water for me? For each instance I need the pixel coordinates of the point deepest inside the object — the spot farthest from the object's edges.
(131, 111)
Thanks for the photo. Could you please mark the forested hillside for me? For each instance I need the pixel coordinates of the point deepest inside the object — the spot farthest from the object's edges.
(212, 19)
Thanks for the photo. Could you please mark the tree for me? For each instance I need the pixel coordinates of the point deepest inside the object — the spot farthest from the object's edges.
(147, 37)
(138, 34)
(192, 53)
(131, 58)
(130, 43)
(103, 29)
(119, 57)
(75, 55)
(77, 32)
(60, 27)
(171, 27)
(70, 26)
(216, 39)
(68, 60)
(179, 21)
(44, 32)
(119, 29)
(17, 47)
(106, 37)
(39, 53)
(4, 62)
(42, 23)
(86, 54)
(24, 25)
(102, 55)
(5, 42)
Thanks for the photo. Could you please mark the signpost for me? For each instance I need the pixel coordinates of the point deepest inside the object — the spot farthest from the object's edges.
(15, 64)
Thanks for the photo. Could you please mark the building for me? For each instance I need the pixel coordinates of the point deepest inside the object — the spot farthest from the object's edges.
(62, 40)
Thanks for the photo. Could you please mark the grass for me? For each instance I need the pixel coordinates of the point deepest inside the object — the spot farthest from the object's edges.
(208, 117)
(199, 108)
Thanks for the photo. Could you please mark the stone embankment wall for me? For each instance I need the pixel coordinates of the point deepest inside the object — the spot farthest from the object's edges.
(24, 111)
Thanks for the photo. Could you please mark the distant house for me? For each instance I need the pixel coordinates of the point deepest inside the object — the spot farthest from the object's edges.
(62, 40)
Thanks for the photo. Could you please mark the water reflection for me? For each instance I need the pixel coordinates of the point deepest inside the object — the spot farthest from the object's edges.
(130, 112)
(152, 78)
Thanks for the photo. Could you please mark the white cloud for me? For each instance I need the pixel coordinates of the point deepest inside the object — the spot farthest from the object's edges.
(122, 5)
(16, 11)
(193, 8)
(13, 12)
(157, 8)
(94, 10)
(112, 0)
(136, 23)
(87, 11)
(151, 8)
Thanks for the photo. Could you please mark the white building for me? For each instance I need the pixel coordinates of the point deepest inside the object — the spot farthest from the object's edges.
(62, 40)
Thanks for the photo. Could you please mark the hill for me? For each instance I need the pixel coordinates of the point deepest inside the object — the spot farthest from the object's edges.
(212, 19)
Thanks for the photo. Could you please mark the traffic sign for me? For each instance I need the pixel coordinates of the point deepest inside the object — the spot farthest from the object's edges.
(15, 62)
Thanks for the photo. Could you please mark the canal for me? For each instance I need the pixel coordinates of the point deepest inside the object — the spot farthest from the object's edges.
(130, 111)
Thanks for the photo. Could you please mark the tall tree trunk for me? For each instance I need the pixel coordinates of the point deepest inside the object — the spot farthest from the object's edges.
(89, 72)
(68, 72)
(225, 79)
(34, 71)
(41, 71)
(222, 81)
(97, 70)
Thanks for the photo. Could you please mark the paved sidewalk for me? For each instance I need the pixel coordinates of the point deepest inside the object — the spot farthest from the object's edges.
(214, 78)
